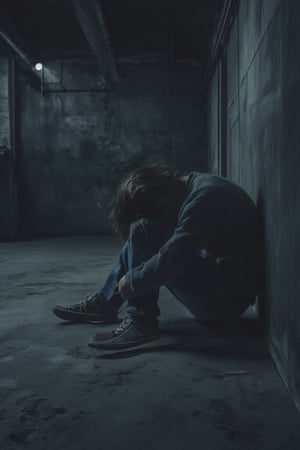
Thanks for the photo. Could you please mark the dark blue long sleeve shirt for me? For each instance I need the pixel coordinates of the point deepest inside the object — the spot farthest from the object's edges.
(217, 217)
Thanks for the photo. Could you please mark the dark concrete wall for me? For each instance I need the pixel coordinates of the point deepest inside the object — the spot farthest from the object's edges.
(8, 193)
(4, 102)
(263, 135)
(74, 147)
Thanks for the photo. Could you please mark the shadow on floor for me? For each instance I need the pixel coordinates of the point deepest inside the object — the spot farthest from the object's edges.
(242, 340)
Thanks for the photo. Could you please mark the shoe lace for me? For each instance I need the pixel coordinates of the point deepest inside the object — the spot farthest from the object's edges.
(122, 327)
(81, 307)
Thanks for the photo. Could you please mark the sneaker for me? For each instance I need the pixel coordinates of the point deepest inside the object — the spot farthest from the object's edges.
(129, 333)
(93, 309)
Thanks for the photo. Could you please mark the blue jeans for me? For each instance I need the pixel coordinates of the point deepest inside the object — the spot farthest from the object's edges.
(202, 287)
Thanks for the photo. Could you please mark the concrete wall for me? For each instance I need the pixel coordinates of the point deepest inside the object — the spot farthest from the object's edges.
(8, 197)
(262, 154)
(74, 147)
(5, 140)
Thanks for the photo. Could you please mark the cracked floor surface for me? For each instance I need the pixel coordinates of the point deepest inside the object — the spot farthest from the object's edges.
(196, 387)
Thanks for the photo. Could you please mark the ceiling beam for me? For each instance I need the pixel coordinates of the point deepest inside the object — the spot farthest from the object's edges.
(91, 20)
(15, 42)
(10, 35)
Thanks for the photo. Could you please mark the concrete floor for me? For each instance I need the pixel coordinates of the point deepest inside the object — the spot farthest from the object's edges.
(212, 389)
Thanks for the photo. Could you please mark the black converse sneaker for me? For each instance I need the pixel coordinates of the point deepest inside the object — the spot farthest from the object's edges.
(93, 309)
(129, 333)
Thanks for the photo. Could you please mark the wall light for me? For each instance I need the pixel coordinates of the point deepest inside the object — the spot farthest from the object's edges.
(38, 67)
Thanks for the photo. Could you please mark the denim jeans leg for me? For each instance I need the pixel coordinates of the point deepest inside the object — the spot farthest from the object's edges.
(108, 292)
(145, 239)
(196, 288)
(206, 293)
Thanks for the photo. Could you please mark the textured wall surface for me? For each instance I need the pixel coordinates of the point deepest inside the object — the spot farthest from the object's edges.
(4, 102)
(74, 147)
(263, 135)
(8, 197)
(4, 142)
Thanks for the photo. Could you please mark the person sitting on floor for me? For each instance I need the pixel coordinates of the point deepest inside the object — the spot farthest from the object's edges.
(196, 234)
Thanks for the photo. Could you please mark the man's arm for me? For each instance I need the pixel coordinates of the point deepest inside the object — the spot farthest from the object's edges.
(188, 239)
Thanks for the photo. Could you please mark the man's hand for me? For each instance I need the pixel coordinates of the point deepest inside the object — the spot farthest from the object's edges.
(124, 291)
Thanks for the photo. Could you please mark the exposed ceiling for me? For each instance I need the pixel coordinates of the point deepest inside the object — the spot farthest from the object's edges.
(163, 29)
(47, 27)
(139, 31)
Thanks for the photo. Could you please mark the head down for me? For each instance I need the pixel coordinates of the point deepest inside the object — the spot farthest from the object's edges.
(154, 192)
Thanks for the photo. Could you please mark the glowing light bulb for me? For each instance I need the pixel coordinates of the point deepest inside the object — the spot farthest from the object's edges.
(38, 67)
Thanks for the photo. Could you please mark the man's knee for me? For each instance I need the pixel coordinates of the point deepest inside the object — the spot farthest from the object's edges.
(143, 227)
(151, 230)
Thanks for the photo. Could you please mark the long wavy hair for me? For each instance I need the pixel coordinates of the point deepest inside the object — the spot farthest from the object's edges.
(139, 194)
